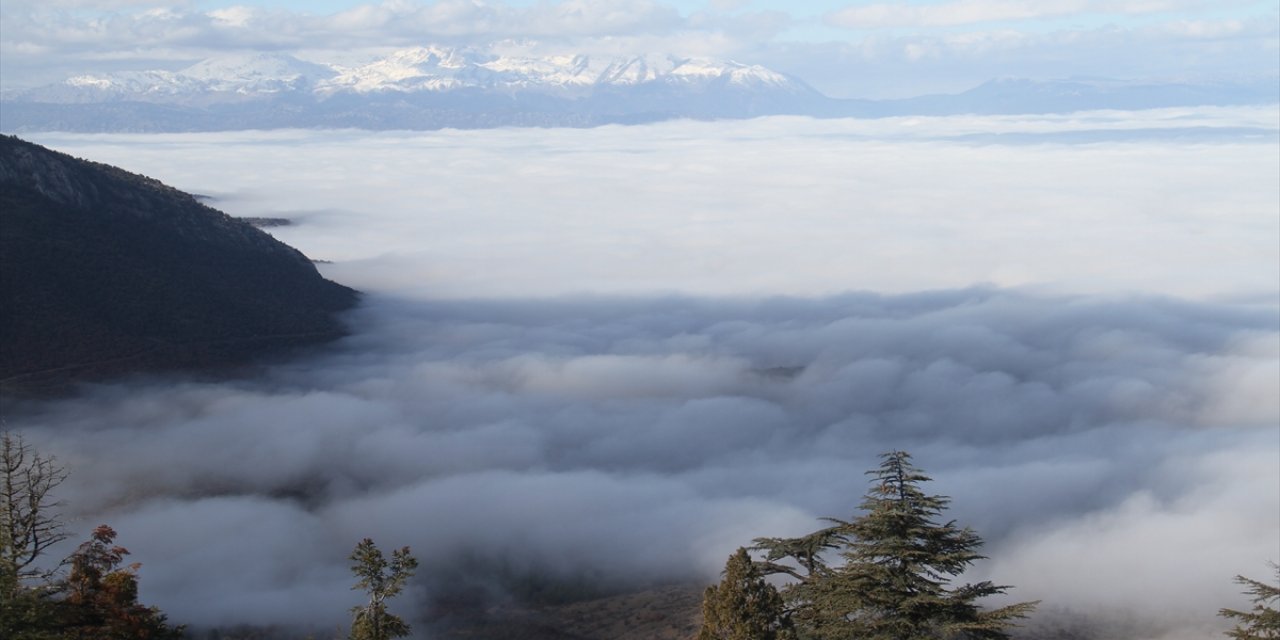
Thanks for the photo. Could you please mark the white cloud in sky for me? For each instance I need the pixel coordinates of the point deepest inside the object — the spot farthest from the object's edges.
(885, 63)
(237, 16)
(967, 12)
(101, 5)
(947, 14)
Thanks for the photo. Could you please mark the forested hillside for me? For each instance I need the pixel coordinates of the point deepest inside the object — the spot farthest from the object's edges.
(103, 271)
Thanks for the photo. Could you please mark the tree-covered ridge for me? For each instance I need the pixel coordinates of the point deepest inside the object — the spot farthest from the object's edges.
(103, 271)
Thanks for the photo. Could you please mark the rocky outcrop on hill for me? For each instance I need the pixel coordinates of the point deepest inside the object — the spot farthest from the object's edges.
(104, 272)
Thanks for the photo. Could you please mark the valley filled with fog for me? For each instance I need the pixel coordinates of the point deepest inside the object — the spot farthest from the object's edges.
(611, 356)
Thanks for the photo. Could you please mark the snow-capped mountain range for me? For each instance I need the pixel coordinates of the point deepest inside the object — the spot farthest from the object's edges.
(422, 69)
(443, 69)
(433, 87)
(263, 74)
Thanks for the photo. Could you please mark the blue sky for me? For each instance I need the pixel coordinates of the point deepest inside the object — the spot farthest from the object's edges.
(845, 48)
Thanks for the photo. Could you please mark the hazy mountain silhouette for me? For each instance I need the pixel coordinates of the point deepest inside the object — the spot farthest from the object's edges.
(103, 271)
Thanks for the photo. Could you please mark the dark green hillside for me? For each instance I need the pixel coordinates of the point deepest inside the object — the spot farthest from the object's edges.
(104, 272)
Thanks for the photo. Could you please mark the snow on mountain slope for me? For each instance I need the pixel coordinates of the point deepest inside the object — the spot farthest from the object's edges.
(238, 76)
(430, 68)
(442, 69)
(119, 85)
(754, 76)
(256, 73)
(419, 88)
(418, 69)
(564, 71)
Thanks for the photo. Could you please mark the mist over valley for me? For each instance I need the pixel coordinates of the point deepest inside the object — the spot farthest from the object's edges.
(594, 361)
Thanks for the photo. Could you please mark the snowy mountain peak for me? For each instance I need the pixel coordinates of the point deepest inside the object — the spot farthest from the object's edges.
(733, 72)
(636, 70)
(428, 68)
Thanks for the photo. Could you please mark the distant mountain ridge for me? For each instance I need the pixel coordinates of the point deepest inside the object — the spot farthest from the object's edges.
(422, 69)
(433, 87)
(104, 272)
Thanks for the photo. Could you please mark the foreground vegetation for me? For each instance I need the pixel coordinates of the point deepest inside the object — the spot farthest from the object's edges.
(884, 575)
(893, 581)
(1262, 622)
(97, 598)
(891, 578)
(92, 595)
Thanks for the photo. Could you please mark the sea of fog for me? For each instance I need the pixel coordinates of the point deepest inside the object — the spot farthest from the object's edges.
(611, 356)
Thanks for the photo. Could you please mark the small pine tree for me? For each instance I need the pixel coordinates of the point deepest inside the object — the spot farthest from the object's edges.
(1263, 621)
(743, 606)
(382, 580)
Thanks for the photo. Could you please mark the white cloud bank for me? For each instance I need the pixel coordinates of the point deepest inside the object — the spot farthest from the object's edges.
(719, 382)
(1173, 201)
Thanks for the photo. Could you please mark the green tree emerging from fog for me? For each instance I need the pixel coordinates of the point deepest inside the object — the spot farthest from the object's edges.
(1262, 622)
(895, 581)
(743, 606)
(381, 579)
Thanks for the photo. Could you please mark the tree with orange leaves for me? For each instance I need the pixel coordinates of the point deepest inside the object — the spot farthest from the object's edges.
(102, 596)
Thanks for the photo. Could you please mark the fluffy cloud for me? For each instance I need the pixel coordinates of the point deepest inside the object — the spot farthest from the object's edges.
(401, 20)
(367, 25)
(639, 440)
(948, 14)
(1103, 435)
(777, 205)
(898, 63)
(966, 12)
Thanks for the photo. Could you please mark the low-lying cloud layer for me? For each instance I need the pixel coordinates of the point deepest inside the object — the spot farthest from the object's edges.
(637, 440)
(1115, 445)
(775, 205)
